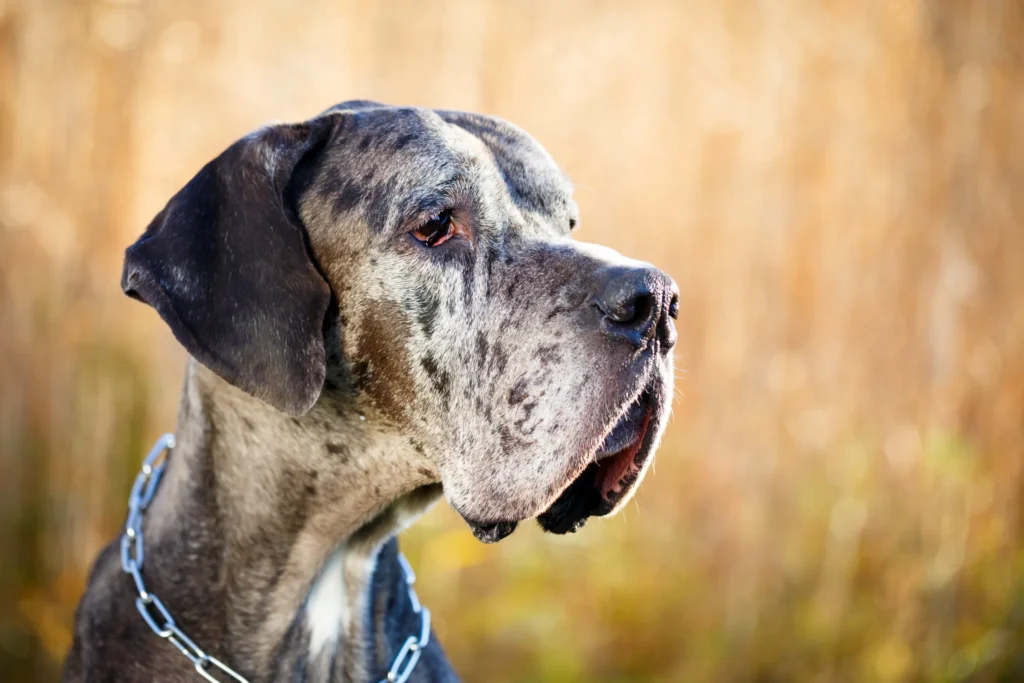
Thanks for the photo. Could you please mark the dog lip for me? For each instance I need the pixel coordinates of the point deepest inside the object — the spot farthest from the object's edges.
(597, 490)
(491, 532)
(627, 431)
(617, 473)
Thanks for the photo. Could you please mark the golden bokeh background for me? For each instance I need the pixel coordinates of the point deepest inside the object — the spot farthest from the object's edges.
(838, 188)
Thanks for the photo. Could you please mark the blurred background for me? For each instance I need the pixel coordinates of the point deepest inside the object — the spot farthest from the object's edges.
(838, 188)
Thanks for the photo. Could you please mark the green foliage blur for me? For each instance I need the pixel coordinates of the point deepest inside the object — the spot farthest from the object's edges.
(838, 188)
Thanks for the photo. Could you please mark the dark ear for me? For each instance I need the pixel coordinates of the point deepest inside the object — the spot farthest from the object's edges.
(227, 266)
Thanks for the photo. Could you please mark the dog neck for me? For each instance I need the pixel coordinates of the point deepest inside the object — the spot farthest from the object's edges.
(270, 528)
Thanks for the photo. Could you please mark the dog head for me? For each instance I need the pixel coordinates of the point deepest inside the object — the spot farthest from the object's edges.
(422, 263)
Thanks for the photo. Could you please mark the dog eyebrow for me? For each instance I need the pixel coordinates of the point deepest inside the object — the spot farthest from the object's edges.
(423, 202)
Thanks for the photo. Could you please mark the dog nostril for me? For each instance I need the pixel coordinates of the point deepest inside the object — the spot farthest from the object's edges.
(642, 308)
(629, 311)
(673, 307)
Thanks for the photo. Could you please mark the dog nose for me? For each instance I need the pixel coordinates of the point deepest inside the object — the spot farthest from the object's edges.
(638, 305)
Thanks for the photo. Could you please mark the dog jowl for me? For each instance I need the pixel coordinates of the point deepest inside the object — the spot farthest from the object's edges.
(419, 267)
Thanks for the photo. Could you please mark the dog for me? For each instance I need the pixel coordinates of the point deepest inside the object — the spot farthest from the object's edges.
(382, 306)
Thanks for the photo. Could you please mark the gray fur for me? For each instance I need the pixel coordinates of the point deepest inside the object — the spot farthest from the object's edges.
(479, 370)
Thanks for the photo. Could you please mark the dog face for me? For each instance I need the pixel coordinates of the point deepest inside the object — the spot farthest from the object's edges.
(422, 262)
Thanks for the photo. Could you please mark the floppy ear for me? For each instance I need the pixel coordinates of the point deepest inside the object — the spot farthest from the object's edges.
(227, 266)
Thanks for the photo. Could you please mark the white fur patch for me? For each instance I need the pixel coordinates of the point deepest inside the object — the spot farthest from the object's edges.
(327, 610)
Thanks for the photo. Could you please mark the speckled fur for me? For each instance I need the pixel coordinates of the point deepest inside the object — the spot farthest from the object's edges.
(386, 373)
(486, 355)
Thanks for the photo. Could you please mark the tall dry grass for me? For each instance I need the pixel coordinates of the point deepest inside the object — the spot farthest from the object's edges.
(837, 186)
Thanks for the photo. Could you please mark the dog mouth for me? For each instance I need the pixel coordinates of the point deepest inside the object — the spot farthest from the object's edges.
(617, 465)
(614, 468)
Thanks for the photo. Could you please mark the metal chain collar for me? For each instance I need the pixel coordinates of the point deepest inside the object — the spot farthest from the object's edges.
(159, 619)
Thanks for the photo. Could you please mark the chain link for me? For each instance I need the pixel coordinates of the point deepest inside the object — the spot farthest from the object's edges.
(411, 651)
(159, 619)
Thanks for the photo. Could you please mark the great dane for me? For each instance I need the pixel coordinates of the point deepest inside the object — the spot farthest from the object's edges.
(382, 306)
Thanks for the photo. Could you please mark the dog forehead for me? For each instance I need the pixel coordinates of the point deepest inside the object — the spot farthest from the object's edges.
(531, 176)
(415, 149)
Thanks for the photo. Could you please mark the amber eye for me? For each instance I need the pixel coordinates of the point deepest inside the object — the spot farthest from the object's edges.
(436, 231)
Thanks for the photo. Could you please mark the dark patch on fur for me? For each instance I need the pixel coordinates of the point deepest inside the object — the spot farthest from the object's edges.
(440, 379)
(527, 412)
(383, 344)
(548, 355)
(511, 287)
(490, 256)
(331, 184)
(339, 449)
(444, 385)
(379, 203)
(429, 365)
(468, 280)
(482, 408)
(481, 347)
(510, 443)
(517, 394)
(404, 140)
(426, 311)
(346, 199)
(360, 375)
(499, 358)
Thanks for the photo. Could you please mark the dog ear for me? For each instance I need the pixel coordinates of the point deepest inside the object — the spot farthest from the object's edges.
(227, 266)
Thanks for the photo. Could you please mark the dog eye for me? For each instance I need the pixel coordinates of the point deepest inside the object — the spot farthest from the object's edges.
(436, 231)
